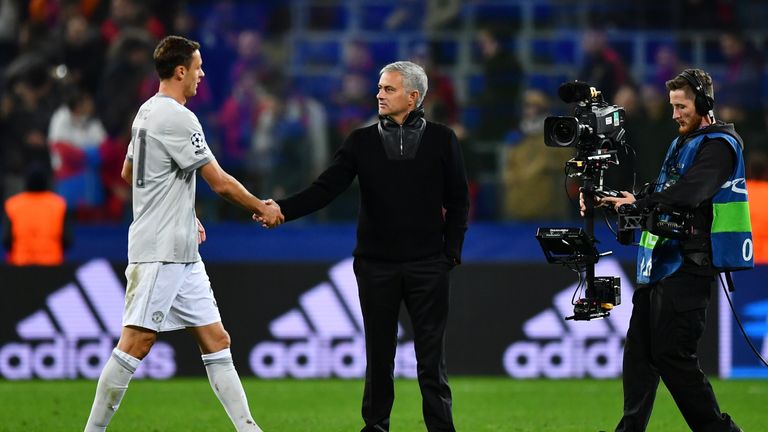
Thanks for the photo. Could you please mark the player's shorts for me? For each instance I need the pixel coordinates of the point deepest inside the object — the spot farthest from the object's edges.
(169, 296)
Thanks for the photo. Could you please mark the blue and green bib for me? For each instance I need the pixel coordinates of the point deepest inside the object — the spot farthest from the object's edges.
(731, 234)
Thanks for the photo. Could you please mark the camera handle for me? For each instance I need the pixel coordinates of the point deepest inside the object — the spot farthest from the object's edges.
(588, 308)
(575, 248)
(588, 189)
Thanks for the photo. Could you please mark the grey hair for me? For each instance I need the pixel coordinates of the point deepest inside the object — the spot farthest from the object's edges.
(414, 77)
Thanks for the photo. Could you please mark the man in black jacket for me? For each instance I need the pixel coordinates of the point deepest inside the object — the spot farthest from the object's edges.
(703, 174)
(413, 215)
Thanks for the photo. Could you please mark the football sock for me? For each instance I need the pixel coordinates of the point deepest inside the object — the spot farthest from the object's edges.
(228, 388)
(112, 384)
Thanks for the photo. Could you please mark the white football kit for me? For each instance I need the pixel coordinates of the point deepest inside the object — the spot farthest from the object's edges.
(168, 287)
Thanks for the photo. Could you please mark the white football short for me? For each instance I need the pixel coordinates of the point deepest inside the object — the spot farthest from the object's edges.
(169, 296)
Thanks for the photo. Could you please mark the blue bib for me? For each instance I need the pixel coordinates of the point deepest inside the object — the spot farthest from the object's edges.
(731, 231)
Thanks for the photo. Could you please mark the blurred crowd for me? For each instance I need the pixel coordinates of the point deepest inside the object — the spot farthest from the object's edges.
(73, 73)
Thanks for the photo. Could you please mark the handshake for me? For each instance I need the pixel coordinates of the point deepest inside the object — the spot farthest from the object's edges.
(269, 215)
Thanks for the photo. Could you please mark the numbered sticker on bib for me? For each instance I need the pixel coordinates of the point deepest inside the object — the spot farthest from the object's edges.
(747, 249)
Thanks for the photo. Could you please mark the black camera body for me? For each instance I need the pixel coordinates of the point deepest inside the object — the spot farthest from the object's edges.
(594, 125)
(660, 221)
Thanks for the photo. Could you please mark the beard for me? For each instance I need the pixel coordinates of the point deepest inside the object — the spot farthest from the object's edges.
(690, 126)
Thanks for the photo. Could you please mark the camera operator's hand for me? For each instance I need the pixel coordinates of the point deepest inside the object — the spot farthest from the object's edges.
(582, 207)
(597, 202)
(628, 198)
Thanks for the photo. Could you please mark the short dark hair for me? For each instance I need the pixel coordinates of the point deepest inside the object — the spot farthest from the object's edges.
(37, 177)
(679, 82)
(173, 51)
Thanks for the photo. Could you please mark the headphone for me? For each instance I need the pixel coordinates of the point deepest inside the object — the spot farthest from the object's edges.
(703, 102)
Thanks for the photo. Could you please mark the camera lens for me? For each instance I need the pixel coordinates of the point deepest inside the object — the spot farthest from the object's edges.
(564, 131)
(561, 131)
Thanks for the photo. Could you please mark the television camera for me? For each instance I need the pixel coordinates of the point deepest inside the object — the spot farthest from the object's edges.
(596, 131)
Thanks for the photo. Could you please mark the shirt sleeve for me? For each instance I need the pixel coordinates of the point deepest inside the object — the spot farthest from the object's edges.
(330, 184)
(129, 153)
(57, 126)
(710, 169)
(455, 200)
(185, 142)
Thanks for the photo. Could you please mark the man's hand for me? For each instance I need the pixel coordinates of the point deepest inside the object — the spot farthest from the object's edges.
(272, 215)
(200, 232)
(583, 207)
(628, 198)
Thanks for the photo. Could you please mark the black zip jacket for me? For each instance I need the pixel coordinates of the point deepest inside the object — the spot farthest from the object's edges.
(414, 199)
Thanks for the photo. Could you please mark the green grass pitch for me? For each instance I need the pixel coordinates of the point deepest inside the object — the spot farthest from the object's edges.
(480, 404)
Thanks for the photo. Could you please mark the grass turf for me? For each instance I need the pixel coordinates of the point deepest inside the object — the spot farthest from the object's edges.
(480, 404)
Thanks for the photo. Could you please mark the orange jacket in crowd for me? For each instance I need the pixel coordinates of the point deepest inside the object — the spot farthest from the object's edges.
(758, 213)
(35, 232)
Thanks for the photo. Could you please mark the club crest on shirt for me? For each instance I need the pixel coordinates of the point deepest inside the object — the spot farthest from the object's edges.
(198, 142)
(157, 317)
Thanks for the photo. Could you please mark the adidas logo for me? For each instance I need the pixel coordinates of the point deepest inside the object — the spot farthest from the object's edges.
(323, 336)
(573, 349)
(73, 334)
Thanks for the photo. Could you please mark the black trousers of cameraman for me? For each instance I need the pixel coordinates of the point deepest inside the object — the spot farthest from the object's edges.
(423, 286)
(668, 319)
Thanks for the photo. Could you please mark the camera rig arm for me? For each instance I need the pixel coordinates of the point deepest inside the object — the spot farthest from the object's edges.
(596, 131)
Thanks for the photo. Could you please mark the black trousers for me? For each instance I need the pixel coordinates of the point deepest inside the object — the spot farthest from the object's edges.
(668, 319)
(423, 285)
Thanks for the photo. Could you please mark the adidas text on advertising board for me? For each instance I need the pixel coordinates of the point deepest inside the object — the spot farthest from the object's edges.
(73, 334)
(323, 336)
(556, 348)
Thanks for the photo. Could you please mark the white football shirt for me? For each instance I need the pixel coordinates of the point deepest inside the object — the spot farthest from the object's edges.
(167, 146)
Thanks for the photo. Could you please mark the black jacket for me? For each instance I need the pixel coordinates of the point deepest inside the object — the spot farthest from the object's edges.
(414, 203)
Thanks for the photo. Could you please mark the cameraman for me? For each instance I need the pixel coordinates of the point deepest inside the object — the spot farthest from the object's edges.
(702, 174)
